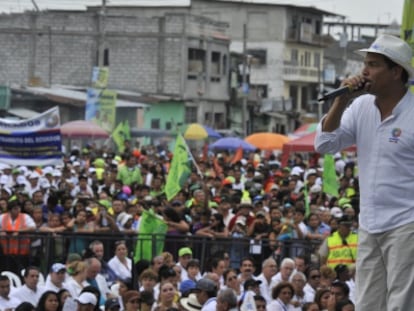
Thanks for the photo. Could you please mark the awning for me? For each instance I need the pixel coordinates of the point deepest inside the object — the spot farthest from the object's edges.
(23, 113)
(66, 96)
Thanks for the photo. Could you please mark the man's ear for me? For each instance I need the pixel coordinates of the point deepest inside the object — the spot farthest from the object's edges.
(397, 72)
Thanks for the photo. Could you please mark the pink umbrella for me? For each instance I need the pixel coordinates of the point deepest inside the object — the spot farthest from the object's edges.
(82, 129)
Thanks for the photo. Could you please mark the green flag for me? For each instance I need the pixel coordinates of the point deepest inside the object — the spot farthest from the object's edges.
(151, 229)
(307, 203)
(330, 180)
(120, 134)
(180, 168)
(407, 27)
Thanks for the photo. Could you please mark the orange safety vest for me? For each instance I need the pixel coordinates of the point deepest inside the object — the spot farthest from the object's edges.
(13, 246)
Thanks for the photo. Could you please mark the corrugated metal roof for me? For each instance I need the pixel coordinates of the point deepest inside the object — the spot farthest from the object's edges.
(60, 94)
(23, 113)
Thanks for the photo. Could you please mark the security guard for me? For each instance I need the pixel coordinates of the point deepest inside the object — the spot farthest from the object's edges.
(341, 246)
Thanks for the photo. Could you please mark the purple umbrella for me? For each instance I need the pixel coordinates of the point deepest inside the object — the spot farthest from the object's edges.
(232, 143)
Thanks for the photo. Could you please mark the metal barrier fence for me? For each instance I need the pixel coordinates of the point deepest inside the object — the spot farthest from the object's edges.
(48, 248)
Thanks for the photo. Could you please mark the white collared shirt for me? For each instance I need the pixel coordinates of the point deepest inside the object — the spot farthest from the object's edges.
(10, 303)
(24, 293)
(385, 159)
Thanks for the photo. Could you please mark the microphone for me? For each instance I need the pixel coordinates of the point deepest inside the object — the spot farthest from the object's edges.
(340, 91)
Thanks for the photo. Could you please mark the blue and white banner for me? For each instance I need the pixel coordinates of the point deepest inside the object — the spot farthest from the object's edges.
(32, 142)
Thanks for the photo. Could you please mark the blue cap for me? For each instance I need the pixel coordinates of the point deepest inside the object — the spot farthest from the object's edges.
(187, 286)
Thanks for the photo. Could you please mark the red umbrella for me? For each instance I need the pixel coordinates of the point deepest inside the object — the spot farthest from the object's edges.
(82, 129)
(305, 129)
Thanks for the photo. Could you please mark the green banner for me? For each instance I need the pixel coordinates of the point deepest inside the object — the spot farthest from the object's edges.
(151, 229)
(180, 168)
(100, 76)
(330, 179)
(407, 27)
(121, 133)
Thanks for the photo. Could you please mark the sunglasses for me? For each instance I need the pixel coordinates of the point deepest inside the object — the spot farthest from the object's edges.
(134, 301)
(316, 276)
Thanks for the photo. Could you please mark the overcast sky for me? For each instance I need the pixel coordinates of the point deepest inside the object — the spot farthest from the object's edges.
(367, 11)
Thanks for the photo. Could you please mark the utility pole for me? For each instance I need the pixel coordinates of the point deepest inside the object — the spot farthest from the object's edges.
(101, 46)
(35, 5)
(244, 82)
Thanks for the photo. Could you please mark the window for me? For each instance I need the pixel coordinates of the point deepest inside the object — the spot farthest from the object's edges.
(294, 56)
(208, 118)
(155, 123)
(196, 60)
(258, 56)
(215, 63)
(224, 71)
(307, 59)
(258, 90)
(190, 114)
(317, 60)
(105, 57)
(168, 125)
(318, 27)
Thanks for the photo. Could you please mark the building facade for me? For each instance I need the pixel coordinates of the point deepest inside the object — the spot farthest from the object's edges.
(285, 50)
(179, 56)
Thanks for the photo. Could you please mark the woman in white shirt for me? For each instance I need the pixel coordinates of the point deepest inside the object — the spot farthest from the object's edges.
(77, 280)
(282, 294)
(120, 264)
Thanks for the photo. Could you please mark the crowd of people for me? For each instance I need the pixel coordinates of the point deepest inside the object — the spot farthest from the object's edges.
(99, 192)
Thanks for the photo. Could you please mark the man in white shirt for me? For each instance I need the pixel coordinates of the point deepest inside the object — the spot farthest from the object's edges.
(30, 291)
(269, 269)
(95, 278)
(6, 302)
(206, 292)
(184, 256)
(286, 268)
(56, 279)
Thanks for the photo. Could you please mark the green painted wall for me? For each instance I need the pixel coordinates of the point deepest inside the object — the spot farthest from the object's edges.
(166, 112)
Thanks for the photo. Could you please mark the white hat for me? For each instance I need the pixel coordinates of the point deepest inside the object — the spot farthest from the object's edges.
(191, 303)
(296, 171)
(6, 167)
(21, 180)
(87, 298)
(315, 188)
(23, 169)
(393, 48)
(56, 173)
(34, 175)
(47, 170)
(44, 184)
(336, 212)
(274, 187)
(123, 218)
(241, 220)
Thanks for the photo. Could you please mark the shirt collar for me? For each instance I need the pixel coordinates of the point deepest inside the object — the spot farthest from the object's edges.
(403, 103)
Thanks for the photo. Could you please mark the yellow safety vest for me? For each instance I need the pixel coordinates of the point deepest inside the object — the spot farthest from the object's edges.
(342, 251)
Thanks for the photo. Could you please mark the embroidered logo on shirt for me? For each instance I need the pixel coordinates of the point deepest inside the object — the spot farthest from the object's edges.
(395, 135)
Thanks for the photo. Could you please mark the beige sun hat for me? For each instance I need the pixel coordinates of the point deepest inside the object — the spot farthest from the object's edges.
(393, 48)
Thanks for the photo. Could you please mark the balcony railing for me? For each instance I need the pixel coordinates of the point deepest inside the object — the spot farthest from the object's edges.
(300, 73)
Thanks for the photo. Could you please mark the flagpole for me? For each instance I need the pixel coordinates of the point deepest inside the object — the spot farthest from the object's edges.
(192, 158)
